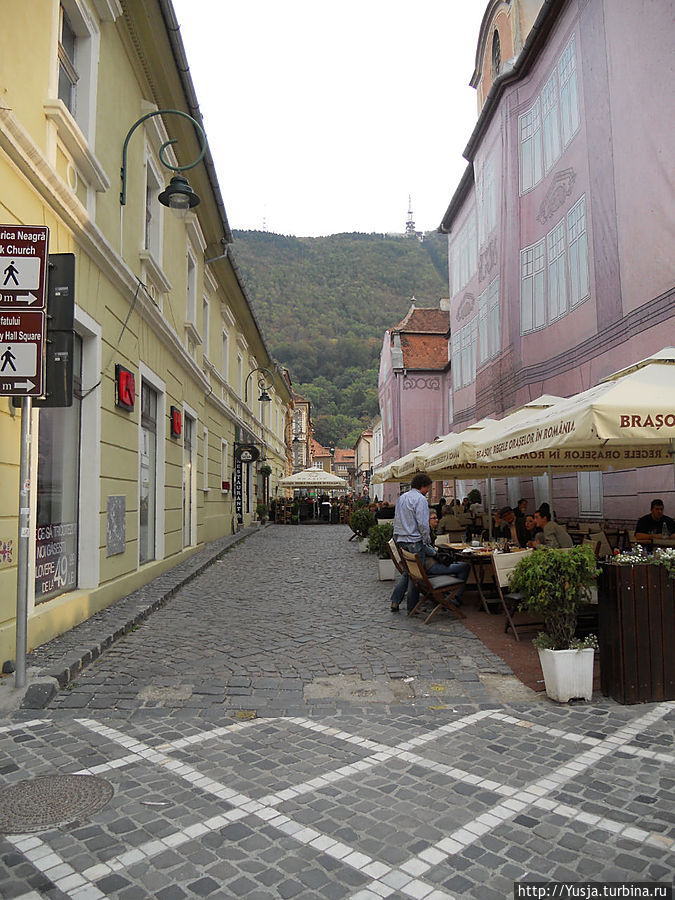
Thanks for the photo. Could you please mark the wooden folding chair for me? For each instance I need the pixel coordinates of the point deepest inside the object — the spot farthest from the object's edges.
(440, 589)
(395, 555)
(587, 542)
(502, 566)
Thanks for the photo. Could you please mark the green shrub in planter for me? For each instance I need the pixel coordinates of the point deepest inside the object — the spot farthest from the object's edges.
(361, 521)
(474, 496)
(554, 584)
(378, 538)
(261, 511)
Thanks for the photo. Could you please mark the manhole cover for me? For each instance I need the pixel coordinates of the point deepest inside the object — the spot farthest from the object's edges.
(50, 801)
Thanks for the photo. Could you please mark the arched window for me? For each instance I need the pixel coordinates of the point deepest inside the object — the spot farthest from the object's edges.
(496, 54)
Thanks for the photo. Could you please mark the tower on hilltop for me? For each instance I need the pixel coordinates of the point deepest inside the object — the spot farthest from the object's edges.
(410, 221)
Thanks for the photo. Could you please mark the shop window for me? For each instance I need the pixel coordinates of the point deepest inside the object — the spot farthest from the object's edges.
(58, 482)
(148, 475)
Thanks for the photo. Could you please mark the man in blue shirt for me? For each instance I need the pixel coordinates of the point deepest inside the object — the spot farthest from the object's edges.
(411, 533)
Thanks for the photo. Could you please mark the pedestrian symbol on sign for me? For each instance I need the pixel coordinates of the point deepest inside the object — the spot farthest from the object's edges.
(8, 359)
(11, 272)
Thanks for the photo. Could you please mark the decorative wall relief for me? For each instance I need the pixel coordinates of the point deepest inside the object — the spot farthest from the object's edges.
(432, 383)
(466, 306)
(116, 526)
(556, 195)
(487, 260)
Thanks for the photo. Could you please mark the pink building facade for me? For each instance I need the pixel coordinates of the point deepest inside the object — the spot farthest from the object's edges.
(561, 231)
(414, 385)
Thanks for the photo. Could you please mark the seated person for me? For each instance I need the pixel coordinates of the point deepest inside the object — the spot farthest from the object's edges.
(449, 522)
(655, 523)
(434, 567)
(552, 534)
(521, 510)
(386, 511)
(527, 529)
(509, 527)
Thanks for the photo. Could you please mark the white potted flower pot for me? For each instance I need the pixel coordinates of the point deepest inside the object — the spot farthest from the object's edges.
(363, 545)
(386, 570)
(568, 674)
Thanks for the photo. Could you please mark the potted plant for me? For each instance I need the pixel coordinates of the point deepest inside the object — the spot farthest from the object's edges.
(295, 513)
(360, 522)
(261, 512)
(378, 538)
(554, 584)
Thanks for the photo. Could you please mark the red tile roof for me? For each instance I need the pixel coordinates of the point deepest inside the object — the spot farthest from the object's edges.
(429, 321)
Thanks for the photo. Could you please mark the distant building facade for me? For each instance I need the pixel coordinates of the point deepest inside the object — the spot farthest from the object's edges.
(413, 384)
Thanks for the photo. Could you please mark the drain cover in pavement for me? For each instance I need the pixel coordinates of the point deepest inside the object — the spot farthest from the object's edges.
(50, 801)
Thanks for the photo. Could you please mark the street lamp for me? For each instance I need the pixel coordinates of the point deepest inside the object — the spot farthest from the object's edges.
(262, 387)
(178, 195)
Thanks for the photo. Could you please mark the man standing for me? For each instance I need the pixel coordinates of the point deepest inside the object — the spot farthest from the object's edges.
(411, 533)
(655, 523)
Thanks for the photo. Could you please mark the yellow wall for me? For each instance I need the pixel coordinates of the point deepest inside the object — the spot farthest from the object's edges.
(134, 330)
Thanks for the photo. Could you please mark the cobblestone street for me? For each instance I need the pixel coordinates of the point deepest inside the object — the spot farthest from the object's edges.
(275, 731)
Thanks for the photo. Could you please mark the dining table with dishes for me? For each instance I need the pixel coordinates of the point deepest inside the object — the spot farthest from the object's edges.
(479, 555)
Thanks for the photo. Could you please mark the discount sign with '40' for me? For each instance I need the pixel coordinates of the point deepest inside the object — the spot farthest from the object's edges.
(23, 275)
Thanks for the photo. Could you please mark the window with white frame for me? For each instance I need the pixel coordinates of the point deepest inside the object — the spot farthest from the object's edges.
(240, 375)
(68, 76)
(451, 405)
(529, 125)
(224, 466)
(557, 272)
(486, 197)
(493, 313)
(390, 417)
(153, 211)
(465, 372)
(532, 288)
(225, 356)
(551, 122)
(464, 255)
(546, 129)
(77, 53)
(589, 485)
(191, 289)
(563, 257)
(569, 93)
(488, 323)
(578, 252)
(205, 326)
(456, 344)
(483, 335)
(205, 458)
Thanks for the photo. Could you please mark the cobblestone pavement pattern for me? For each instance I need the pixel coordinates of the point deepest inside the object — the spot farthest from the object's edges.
(274, 731)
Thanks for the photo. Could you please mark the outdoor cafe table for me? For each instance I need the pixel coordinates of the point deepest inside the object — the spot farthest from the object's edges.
(479, 558)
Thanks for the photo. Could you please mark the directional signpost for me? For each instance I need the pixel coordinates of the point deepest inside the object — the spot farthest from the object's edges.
(23, 275)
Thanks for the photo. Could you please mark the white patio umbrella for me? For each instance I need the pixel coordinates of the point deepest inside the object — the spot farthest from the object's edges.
(627, 421)
(315, 478)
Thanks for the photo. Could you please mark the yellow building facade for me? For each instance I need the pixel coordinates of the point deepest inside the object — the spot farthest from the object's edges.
(160, 450)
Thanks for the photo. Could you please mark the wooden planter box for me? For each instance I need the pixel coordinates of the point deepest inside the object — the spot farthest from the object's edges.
(636, 623)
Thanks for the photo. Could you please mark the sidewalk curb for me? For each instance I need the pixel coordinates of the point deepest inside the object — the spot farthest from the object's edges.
(60, 659)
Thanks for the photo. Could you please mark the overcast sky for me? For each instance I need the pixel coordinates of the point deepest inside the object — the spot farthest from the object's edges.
(323, 117)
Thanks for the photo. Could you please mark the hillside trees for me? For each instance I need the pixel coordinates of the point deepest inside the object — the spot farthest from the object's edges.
(324, 305)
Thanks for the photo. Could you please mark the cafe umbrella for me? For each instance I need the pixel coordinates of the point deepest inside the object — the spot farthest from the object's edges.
(626, 421)
(315, 477)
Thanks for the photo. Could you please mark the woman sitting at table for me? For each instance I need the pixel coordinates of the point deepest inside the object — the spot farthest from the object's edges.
(527, 529)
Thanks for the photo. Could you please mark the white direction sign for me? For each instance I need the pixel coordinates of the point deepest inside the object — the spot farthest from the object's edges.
(23, 278)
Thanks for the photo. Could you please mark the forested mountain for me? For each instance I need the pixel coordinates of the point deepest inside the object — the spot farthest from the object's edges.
(324, 305)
